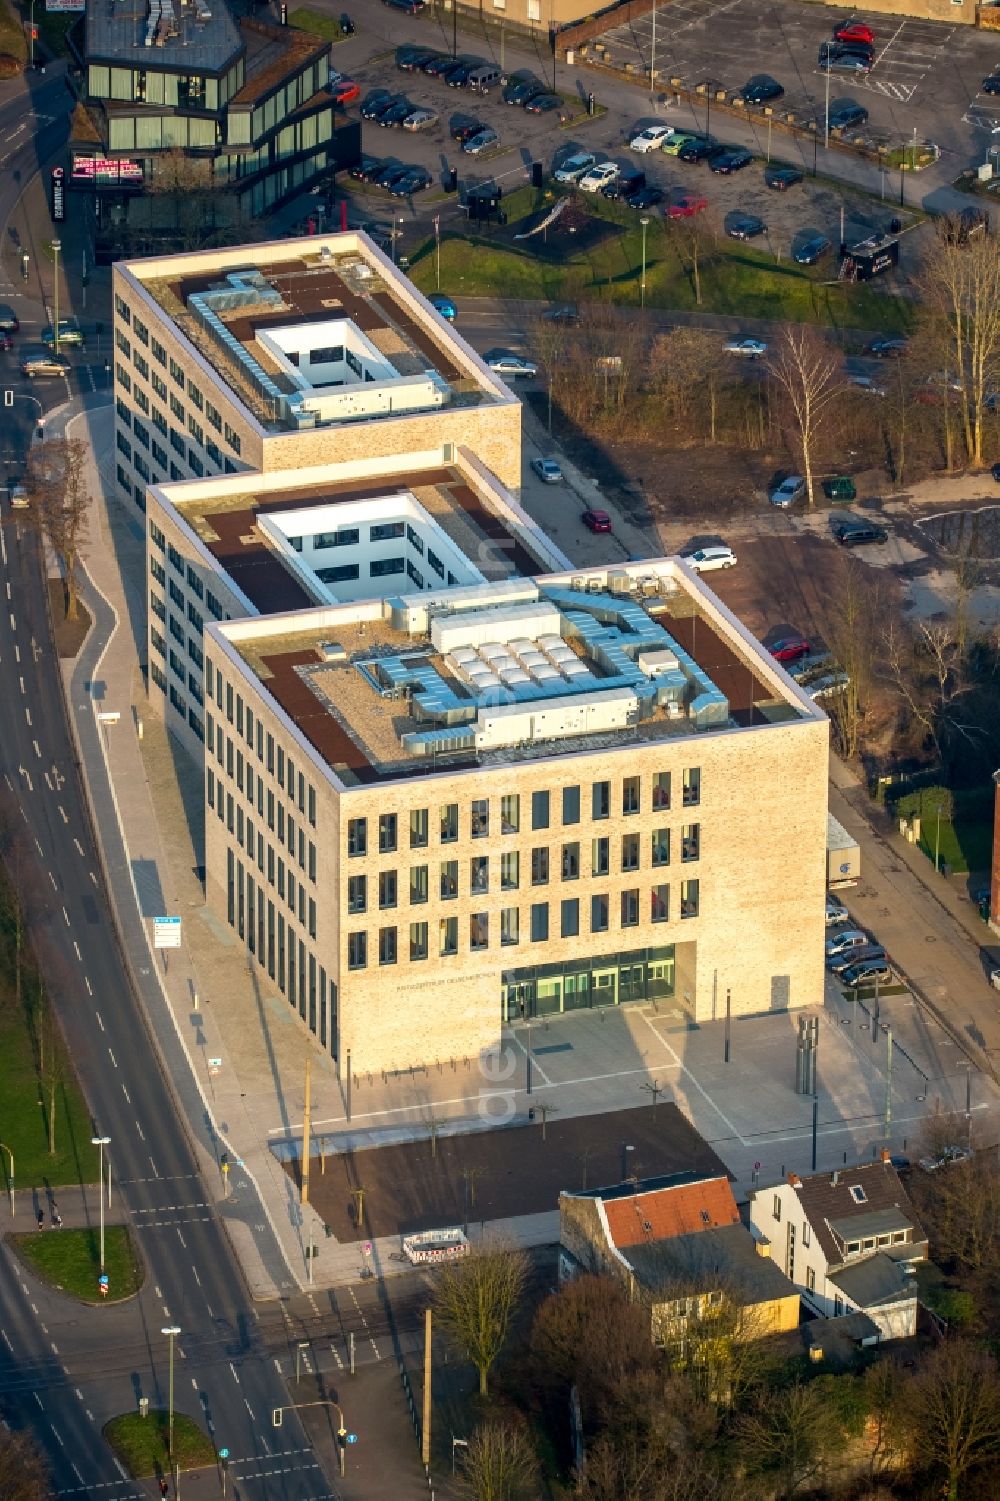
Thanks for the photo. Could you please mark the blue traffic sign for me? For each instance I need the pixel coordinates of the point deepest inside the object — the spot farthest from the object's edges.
(103, 1279)
(223, 1453)
(352, 1438)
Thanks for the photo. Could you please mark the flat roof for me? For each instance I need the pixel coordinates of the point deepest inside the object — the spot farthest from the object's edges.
(393, 687)
(318, 331)
(202, 36)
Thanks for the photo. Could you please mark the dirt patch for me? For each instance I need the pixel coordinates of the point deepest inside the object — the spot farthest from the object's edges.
(69, 634)
(489, 1175)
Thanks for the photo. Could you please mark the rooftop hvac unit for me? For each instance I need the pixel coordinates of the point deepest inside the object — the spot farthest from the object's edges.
(579, 583)
(332, 651)
(326, 253)
(619, 582)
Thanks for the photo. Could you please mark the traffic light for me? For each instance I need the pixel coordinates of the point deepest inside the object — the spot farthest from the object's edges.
(341, 1438)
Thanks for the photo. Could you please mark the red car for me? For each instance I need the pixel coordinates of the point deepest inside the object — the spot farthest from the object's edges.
(789, 648)
(345, 91)
(686, 206)
(596, 521)
(854, 31)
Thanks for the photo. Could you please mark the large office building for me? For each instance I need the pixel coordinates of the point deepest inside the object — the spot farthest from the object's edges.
(450, 780)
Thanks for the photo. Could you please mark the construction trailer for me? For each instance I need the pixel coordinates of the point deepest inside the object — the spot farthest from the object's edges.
(869, 257)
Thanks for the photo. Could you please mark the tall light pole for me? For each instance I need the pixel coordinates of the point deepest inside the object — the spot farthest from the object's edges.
(10, 1175)
(101, 1142)
(652, 58)
(826, 117)
(644, 221)
(56, 247)
(171, 1331)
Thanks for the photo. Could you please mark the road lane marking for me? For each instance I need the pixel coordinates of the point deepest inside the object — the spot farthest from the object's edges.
(66, 915)
(112, 1057)
(79, 846)
(87, 983)
(27, 715)
(139, 1129)
(253, 1415)
(125, 1093)
(98, 1015)
(62, 810)
(233, 1369)
(77, 947)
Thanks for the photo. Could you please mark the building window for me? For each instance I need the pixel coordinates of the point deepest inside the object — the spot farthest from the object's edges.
(660, 905)
(449, 823)
(539, 810)
(479, 930)
(357, 836)
(479, 874)
(539, 922)
(776, 1208)
(691, 841)
(838, 1306)
(510, 871)
(481, 818)
(357, 950)
(599, 913)
(386, 833)
(661, 846)
(600, 857)
(630, 852)
(661, 790)
(510, 925)
(357, 893)
(510, 813)
(418, 828)
(790, 1254)
(387, 945)
(630, 908)
(540, 866)
(448, 936)
(571, 805)
(692, 787)
(631, 795)
(569, 918)
(385, 531)
(571, 861)
(689, 899)
(858, 1194)
(449, 880)
(387, 889)
(807, 1234)
(419, 885)
(810, 1279)
(418, 941)
(534, 10)
(600, 802)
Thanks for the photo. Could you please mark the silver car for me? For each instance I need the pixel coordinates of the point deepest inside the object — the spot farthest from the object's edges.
(421, 119)
(45, 364)
(481, 142)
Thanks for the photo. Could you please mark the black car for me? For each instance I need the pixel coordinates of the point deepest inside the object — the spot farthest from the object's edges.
(762, 88)
(458, 76)
(395, 113)
(645, 198)
(521, 90)
(368, 168)
(856, 533)
(848, 49)
(812, 250)
(542, 103)
(847, 114)
(727, 162)
(625, 185)
(466, 129)
(374, 102)
(438, 65)
(886, 349)
(745, 227)
(414, 181)
(995, 471)
(700, 150)
(991, 85)
(782, 178)
(408, 7)
(412, 59)
(391, 173)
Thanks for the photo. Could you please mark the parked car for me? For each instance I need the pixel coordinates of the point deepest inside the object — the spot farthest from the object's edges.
(465, 129)
(19, 498)
(750, 349)
(789, 648)
(853, 31)
(344, 91)
(728, 162)
(700, 149)
(395, 113)
(762, 88)
(673, 144)
(782, 178)
(598, 177)
(836, 912)
(563, 312)
(443, 305)
(845, 62)
(707, 559)
(995, 471)
(408, 7)
(484, 141)
(788, 492)
(458, 76)
(411, 59)
(421, 119)
(630, 180)
(45, 363)
(844, 941)
(651, 137)
(391, 173)
(874, 971)
(415, 181)
(852, 963)
(596, 521)
(522, 88)
(645, 198)
(368, 168)
(745, 227)
(574, 167)
(946, 1158)
(846, 115)
(439, 65)
(812, 250)
(484, 78)
(548, 470)
(859, 533)
(840, 488)
(375, 101)
(505, 362)
(542, 104)
(8, 319)
(685, 206)
(828, 684)
(867, 383)
(991, 85)
(886, 349)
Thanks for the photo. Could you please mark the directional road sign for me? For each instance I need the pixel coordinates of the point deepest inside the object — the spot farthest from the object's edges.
(166, 932)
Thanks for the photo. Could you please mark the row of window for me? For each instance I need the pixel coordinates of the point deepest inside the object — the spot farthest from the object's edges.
(270, 861)
(508, 814)
(537, 928)
(186, 384)
(250, 729)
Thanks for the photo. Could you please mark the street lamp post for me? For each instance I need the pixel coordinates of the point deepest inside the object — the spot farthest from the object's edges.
(56, 247)
(171, 1331)
(10, 1175)
(644, 221)
(826, 117)
(101, 1142)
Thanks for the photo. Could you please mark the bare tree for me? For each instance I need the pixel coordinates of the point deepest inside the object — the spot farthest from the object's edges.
(592, 1336)
(788, 1435)
(959, 295)
(929, 674)
(951, 1409)
(851, 624)
(476, 1300)
(56, 482)
(500, 1464)
(51, 1065)
(807, 371)
(22, 1471)
(695, 241)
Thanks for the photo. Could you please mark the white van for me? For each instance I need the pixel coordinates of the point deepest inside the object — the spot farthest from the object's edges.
(484, 78)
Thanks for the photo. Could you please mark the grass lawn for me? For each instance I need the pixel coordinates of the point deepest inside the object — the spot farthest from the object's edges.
(735, 279)
(315, 21)
(966, 831)
(12, 33)
(141, 1443)
(70, 1261)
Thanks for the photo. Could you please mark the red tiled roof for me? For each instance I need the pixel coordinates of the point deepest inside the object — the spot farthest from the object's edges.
(665, 1212)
